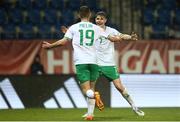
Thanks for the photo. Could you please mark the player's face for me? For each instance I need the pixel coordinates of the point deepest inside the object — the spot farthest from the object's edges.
(100, 20)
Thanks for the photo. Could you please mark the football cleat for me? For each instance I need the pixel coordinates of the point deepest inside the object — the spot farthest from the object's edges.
(99, 102)
(89, 117)
(86, 114)
(138, 112)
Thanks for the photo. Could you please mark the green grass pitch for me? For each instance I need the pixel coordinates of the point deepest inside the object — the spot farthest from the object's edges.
(109, 114)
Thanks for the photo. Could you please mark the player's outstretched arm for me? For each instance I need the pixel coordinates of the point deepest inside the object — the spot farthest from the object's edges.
(123, 37)
(132, 37)
(114, 38)
(48, 45)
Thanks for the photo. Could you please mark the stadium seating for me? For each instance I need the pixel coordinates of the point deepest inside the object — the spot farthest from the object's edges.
(44, 31)
(15, 16)
(33, 14)
(148, 16)
(169, 4)
(39, 4)
(57, 4)
(164, 16)
(57, 32)
(29, 19)
(68, 16)
(3, 17)
(92, 4)
(50, 16)
(160, 16)
(25, 4)
(27, 31)
(9, 32)
(177, 16)
(159, 31)
(151, 4)
(74, 4)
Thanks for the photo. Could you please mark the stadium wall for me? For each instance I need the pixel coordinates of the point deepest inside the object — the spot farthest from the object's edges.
(63, 91)
(142, 57)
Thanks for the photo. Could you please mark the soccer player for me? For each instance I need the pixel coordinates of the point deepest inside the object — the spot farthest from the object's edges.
(105, 55)
(83, 36)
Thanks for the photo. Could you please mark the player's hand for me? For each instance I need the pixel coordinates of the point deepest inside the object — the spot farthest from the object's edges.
(64, 29)
(134, 36)
(46, 45)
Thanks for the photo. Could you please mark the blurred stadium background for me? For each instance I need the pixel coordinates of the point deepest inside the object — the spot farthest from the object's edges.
(32, 19)
(36, 81)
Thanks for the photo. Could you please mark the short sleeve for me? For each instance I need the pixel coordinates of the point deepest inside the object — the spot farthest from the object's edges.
(116, 32)
(69, 33)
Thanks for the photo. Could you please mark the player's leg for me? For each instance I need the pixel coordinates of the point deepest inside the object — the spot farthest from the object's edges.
(119, 86)
(94, 77)
(110, 72)
(94, 74)
(91, 102)
(94, 69)
(90, 99)
(83, 75)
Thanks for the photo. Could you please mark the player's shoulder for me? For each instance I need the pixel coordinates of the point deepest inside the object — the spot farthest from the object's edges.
(110, 28)
(74, 25)
(98, 28)
(93, 25)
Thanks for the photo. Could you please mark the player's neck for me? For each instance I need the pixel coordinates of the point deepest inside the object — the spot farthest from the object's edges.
(84, 20)
(103, 26)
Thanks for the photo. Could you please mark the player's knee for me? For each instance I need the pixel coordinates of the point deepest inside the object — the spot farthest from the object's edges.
(90, 93)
